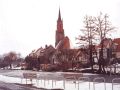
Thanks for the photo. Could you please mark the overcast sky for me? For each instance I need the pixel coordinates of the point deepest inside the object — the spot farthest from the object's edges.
(29, 24)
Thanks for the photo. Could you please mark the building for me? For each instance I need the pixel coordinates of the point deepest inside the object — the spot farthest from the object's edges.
(111, 48)
(107, 48)
(62, 41)
(116, 51)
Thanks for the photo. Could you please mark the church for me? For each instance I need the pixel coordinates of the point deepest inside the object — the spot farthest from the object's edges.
(49, 54)
(61, 41)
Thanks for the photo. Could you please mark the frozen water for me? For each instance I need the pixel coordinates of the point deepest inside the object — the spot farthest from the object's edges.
(61, 84)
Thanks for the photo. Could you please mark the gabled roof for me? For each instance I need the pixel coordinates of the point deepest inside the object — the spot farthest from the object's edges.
(116, 42)
(107, 43)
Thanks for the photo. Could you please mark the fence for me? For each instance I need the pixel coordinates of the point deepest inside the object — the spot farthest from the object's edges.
(30, 77)
(115, 81)
(84, 79)
(68, 78)
(99, 80)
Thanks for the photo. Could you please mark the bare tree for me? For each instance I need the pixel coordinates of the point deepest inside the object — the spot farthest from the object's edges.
(96, 28)
(10, 57)
(88, 36)
(103, 28)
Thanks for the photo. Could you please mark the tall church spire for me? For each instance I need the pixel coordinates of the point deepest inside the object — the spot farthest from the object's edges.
(61, 42)
(59, 16)
(59, 22)
(60, 30)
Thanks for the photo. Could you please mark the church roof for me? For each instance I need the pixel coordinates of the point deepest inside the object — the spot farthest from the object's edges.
(63, 44)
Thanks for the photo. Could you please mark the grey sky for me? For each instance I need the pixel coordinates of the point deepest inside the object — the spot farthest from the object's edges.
(29, 24)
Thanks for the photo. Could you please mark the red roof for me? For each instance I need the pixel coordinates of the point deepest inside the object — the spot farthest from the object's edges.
(117, 42)
(105, 44)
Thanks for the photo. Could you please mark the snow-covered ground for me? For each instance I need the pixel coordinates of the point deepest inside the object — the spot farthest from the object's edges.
(51, 81)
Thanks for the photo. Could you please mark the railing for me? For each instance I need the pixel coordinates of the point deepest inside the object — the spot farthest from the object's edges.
(99, 80)
(115, 81)
(47, 79)
(29, 76)
(82, 80)
(74, 79)
(69, 78)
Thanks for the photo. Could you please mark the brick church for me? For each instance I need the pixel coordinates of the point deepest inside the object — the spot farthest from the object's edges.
(62, 41)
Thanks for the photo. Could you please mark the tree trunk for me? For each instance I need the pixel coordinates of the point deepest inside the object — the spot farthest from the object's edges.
(90, 58)
(101, 61)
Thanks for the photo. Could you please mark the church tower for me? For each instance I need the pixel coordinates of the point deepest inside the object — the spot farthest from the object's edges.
(60, 31)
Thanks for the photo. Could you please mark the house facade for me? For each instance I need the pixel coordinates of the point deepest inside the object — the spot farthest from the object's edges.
(111, 48)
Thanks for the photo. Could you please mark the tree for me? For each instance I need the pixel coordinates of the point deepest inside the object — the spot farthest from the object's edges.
(96, 28)
(10, 57)
(103, 27)
(88, 37)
